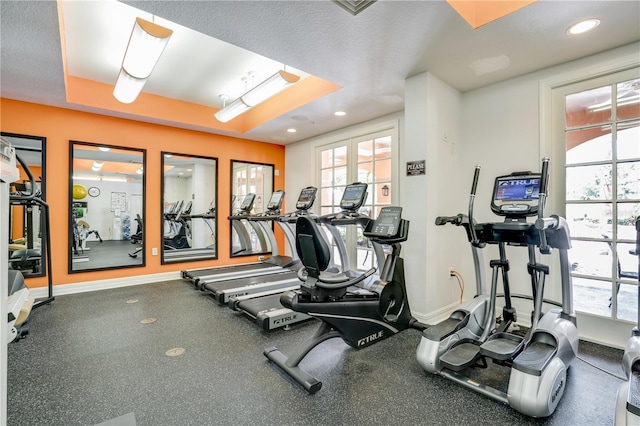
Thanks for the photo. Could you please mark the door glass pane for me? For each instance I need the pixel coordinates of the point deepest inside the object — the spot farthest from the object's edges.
(588, 145)
(628, 302)
(365, 151)
(365, 172)
(340, 156)
(591, 258)
(628, 99)
(592, 296)
(588, 107)
(383, 194)
(627, 215)
(589, 182)
(327, 158)
(327, 177)
(383, 170)
(340, 176)
(383, 147)
(326, 195)
(589, 220)
(628, 140)
(628, 262)
(629, 180)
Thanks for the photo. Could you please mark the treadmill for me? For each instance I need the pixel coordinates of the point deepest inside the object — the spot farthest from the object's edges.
(282, 276)
(265, 307)
(275, 263)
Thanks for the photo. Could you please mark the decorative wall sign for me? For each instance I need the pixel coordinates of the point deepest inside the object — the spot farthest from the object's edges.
(415, 168)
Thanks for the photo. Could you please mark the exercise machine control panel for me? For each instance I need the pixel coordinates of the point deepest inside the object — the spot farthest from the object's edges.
(516, 195)
(275, 202)
(307, 198)
(387, 223)
(247, 203)
(354, 196)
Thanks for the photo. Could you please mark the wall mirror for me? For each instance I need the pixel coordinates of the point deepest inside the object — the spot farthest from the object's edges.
(27, 218)
(189, 201)
(106, 212)
(251, 188)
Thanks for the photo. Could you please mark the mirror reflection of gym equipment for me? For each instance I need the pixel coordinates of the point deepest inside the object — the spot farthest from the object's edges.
(106, 213)
(25, 218)
(189, 188)
(251, 187)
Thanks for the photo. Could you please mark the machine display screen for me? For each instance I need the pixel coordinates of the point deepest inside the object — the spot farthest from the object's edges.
(516, 195)
(306, 198)
(307, 195)
(275, 201)
(353, 194)
(247, 202)
(520, 189)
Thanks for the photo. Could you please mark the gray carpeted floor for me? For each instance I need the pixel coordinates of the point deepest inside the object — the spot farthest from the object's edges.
(89, 359)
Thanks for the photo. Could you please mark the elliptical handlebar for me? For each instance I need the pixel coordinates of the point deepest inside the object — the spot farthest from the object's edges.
(547, 222)
(474, 237)
(454, 220)
(542, 199)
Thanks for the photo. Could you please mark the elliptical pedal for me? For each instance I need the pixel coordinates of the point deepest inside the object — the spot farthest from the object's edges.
(502, 346)
(461, 356)
(534, 359)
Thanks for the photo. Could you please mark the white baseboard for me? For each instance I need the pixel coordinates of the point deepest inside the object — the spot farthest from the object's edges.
(437, 316)
(83, 287)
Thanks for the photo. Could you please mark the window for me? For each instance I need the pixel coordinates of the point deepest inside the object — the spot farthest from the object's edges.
(369, 159)
(602, 193)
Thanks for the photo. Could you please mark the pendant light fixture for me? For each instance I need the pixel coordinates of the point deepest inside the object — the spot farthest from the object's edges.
(146, 44)
(260, 93)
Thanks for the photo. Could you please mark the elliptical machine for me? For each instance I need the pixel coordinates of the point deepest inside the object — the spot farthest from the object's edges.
(360, 317)
(628, 398)
(538, 362)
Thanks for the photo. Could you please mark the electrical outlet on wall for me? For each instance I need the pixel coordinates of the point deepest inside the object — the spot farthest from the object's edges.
(154, 251)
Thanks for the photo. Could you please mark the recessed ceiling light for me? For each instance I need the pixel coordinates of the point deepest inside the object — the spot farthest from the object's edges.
(291, 130)
(104, 148)
(583, 26)
(339, 113)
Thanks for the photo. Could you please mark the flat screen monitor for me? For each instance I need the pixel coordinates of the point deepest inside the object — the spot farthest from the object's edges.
(276, 200)
(516, 195)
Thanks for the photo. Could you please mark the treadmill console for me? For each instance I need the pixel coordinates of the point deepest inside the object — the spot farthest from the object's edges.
(275, 202)
(354, 196)
(247, 203)
(516, 195)
(307, 198)
(387, 224)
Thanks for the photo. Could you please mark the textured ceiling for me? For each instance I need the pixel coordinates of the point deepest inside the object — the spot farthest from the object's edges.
(370, 55)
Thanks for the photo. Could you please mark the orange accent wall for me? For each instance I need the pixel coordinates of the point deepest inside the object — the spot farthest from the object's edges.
(60, 126)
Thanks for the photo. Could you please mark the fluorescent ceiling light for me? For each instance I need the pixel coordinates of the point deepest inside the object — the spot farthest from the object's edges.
(339, 113)
(146, 44)
(86, 177)
(263, 91)
(583, 26)
(113, 179)
(231, 111)
(291, 130)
